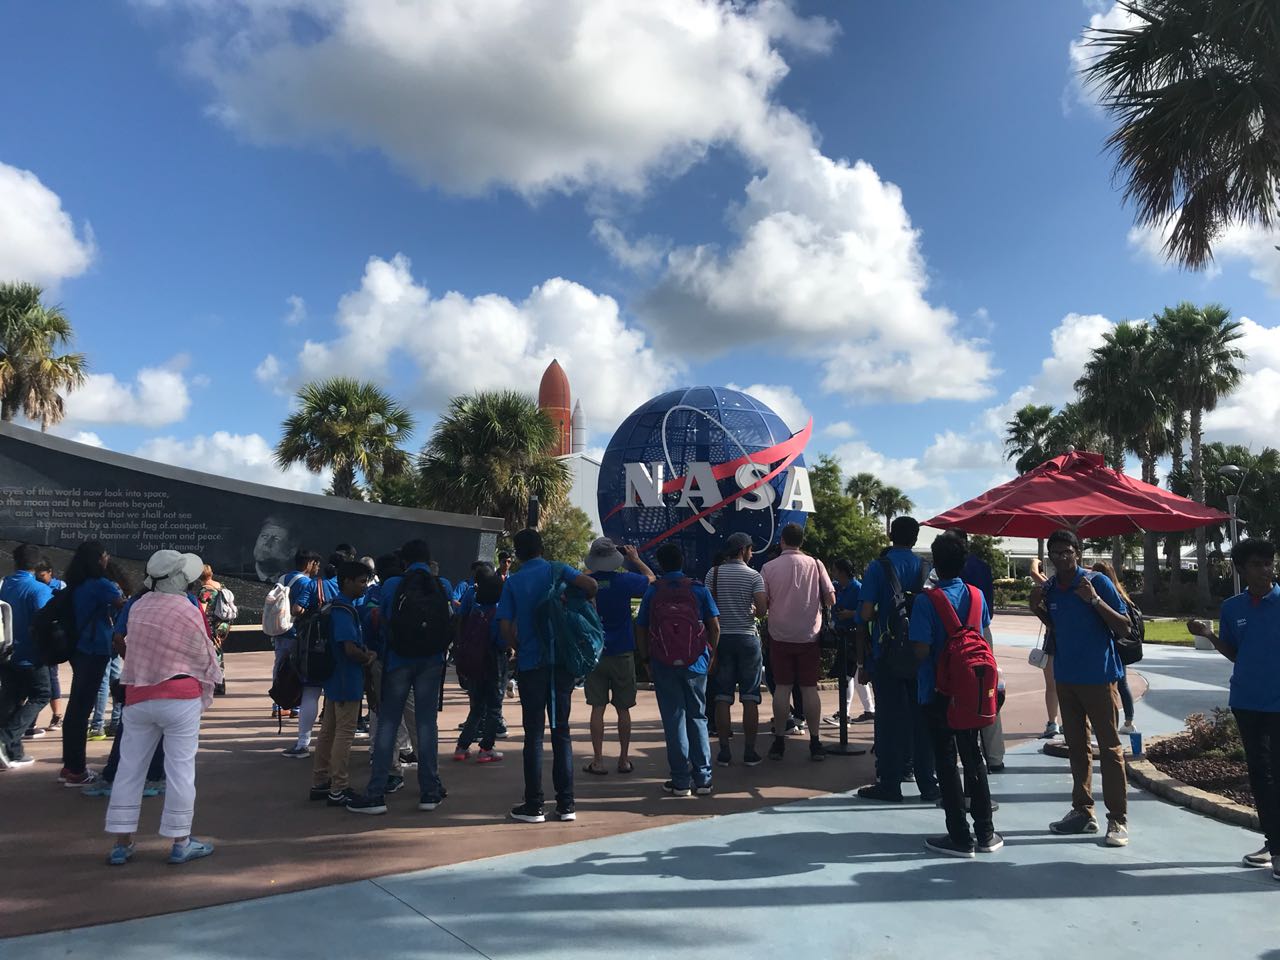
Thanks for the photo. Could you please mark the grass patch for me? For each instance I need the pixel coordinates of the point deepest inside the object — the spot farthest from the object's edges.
(1172, 632)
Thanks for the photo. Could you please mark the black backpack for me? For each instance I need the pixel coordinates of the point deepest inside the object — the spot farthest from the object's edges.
(313, 654)
(54, 627)
(896, 653)
(419, 625)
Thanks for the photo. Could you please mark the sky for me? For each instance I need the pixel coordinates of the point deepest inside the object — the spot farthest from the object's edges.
(897, 219)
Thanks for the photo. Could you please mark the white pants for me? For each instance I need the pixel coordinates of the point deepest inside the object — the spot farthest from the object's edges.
(308, 711)
(178, 721)
(865, 695)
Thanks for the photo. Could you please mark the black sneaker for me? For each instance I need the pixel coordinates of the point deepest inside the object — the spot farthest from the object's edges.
(865, 717)
(778, 750)
(949, 848)
(408, 758)
(1077, 821)
(429, 801)
(724, 757)
(796, 726)
(877, 791)
(394, 783)
(341, 799)
(816, 750)
(995, 768)
(528, 813)
(320, 792)
(750, 758)
(33, 733)
(367, 805)
(990, 844)
(563, 814)
(704, 790)
(671, 788)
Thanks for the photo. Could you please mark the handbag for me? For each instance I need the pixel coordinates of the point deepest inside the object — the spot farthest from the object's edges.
(1037, 657)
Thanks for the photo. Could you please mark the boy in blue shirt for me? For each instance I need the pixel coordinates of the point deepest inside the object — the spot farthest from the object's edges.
(846, 614)
(1249, 637)
(929, 638)
(681, 688)
(1087, 613)
(540, 686)
(24, 679)
(330, 772)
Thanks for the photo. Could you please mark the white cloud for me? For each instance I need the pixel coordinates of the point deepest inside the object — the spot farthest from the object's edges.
(39, 242)
(242, 456)
(857, 456)
(157, 396)
(840, 429)
(88, 438)
(781, 399)
(641, 254)
(535, 95)
(1250, 414)
(297, 310)
(268, 371)
(1113, 17)
(951, 451)
(492, 342)
(1248, 242)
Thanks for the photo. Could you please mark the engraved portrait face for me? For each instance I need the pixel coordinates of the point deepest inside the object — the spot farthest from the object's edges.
(273, 550)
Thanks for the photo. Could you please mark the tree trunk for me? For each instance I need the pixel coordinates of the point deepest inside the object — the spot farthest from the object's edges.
(1172, 541)
(1150, 540)
(1203, 595)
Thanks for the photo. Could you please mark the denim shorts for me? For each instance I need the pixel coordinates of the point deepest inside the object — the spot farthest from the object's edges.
(739, 667)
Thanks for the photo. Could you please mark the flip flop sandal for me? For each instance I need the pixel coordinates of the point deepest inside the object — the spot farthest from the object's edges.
(627, 767)
(590, 767)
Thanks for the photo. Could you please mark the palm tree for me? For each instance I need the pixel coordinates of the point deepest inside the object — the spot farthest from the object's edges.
(1195, 90)
(1201, 365)
(350, 427)
(32, 377)
(1120, 395)
(891, 502)
(864, 487)
(488, 455)
(1026, 437)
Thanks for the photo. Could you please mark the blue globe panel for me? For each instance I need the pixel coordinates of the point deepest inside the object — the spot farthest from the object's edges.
(696, 424)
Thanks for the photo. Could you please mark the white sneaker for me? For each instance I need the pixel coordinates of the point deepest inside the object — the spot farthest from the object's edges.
(1126, 728)
(1259, 858)
(1117, 835)
(1050, 731)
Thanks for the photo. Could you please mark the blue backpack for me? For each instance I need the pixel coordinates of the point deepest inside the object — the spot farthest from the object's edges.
(569, 627)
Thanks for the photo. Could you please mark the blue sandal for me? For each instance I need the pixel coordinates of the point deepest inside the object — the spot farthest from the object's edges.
(120, 855)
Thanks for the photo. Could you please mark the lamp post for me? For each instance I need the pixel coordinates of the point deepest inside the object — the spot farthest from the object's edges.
(1233, 503)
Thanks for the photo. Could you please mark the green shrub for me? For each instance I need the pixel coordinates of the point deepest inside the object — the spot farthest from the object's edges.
(1216, 736)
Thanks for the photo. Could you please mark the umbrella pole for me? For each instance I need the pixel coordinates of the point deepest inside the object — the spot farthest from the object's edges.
(843, 749)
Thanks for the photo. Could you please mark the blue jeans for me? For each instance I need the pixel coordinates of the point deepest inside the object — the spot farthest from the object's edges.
(535, 703)
(485, 713)
(682, 701)
(24, 690)
(424, 679)
(114, 666)
(901, 734)
(87, 671)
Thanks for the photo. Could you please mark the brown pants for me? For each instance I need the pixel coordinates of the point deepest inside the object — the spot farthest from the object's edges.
(1094, 704)
(333, 749)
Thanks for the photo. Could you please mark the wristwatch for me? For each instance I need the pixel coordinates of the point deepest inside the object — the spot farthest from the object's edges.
(1095, 601)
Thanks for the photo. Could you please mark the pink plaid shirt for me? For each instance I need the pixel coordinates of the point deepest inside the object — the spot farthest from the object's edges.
(168, 637)
(797, 586)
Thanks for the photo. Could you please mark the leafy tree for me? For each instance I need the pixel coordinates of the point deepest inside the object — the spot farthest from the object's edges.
(988, 549)
(891, 502)
(33, 377)
(488, 455)
(349, 427)
(567, 535)
(864, 488)
(1194, 88)
(838, 527)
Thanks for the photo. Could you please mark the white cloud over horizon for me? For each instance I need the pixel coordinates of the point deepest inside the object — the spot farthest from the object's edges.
(240, 456)
(158, 396)
(39, 242)
(781, 399)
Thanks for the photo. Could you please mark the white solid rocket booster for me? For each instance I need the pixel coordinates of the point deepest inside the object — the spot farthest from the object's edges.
(578, 426)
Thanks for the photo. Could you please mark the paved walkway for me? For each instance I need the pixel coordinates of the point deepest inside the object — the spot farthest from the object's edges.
(831, 875)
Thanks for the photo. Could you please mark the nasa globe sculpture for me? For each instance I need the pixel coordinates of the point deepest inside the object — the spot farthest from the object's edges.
(698, 464)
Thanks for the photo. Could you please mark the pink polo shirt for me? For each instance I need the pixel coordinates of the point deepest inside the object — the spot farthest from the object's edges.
(796, 584)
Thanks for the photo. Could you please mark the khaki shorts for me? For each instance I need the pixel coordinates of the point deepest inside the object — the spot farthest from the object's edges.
(613, 681)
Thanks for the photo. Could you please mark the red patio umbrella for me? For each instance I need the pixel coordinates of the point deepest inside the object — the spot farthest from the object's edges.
(1079, 492)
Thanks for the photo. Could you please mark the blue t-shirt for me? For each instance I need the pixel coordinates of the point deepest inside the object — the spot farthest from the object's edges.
(977, 573)
(26, 595)
(1084, 651)
(617, 590)
(330, 589)
(927, 627)
(94, 603)
(706, 609)
(367, 605)
(520, 595)
(347, 682)
(849, 598)
(393, 660)
(877, 590)
(1252, 630)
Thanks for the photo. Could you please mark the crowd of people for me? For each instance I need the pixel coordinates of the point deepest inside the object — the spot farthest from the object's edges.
(350, 631)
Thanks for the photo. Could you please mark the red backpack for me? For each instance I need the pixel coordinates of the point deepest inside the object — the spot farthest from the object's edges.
(677, 635)
(473, 655)
(967, 670)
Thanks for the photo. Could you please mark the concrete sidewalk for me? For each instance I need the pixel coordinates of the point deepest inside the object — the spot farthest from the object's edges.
(832, 876)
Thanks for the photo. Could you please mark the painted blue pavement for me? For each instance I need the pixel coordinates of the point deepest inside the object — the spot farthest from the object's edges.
(832, 876)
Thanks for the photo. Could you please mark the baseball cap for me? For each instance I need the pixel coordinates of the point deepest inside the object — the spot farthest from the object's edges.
(737, 541)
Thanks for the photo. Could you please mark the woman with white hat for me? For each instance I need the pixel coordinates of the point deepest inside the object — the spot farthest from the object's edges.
(169, 673)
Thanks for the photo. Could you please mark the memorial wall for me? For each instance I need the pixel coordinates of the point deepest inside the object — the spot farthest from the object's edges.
(59, 493)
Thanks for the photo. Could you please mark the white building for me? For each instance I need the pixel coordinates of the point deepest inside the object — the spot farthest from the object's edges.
(585, 471)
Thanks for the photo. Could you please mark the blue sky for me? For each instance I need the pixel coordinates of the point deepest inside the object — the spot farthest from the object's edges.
(897, 218)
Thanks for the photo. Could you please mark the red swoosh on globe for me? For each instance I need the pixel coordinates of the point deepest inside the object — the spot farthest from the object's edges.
(787, 451)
